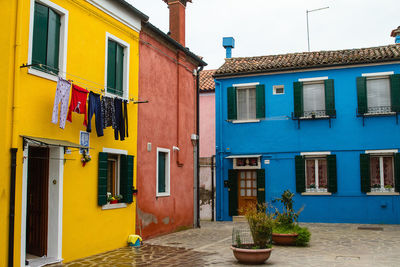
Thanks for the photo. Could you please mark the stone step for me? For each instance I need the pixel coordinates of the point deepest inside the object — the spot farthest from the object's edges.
(239, 219)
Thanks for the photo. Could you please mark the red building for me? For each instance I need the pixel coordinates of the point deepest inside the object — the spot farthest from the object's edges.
(168, 128)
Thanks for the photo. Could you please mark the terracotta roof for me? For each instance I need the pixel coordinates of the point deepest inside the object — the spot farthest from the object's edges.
(305, 60)
(207, 81)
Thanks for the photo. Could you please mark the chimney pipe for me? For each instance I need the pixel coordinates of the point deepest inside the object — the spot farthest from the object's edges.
(396, 33)
(228, 43)
(177, 10)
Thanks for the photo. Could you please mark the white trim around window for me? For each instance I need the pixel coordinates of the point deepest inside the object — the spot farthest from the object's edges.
(167, 172)
(316, 79)
(276, 87)
(126, 46)
(387, 73)
(321, 153)
(382, 151)
(245, 84)
(62, 60)
(115, 151)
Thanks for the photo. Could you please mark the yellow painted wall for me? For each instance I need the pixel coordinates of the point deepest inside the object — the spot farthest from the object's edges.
(87, 229)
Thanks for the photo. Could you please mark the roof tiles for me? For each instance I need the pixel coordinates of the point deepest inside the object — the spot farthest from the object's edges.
(206, 81)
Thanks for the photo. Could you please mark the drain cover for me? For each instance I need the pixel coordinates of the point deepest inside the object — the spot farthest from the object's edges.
(373, 228)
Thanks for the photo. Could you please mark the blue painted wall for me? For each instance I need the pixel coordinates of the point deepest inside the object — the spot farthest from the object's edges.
(278, 139)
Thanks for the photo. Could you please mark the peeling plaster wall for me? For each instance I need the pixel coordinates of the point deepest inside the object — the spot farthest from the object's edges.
(205, 189)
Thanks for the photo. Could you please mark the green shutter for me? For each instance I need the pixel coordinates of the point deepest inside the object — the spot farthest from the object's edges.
(329, 98)
(102, 179)
(365, 173)
(161, 172)
(126, 178)
(233, 192)
(261, 186)
(395, 92)
(119, 72)
(397, 172)
(300, 165)
(39, 45)
(232, 112)
(260, 101)
(332, 173)
(298, 99)
(362, 95)
(111, 66)
(53, 41)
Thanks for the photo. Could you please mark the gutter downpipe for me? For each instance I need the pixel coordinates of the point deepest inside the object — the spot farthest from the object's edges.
(14, 136)
(219, 152)
(198, 144)
(212, 189)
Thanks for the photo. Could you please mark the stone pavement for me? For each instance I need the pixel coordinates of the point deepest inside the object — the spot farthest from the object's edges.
(331, 245)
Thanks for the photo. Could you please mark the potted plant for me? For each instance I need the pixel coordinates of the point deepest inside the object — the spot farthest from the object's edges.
(119, 198)
(376, 188)
(85, 158)
(112, 200)
(260, 224)
(286, 231)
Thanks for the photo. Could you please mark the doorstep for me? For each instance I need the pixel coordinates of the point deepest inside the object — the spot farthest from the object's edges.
(239, 219)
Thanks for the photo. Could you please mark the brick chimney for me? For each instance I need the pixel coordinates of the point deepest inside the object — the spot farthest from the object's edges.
(177, 19)
(396, 34)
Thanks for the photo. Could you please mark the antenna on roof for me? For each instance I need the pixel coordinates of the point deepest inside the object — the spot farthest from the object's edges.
(308, 33)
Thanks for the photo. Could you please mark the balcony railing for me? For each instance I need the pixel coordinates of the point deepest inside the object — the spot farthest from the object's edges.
(315, 115)
(378, 111)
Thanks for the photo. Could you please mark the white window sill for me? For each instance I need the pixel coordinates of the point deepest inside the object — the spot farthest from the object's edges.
(42, 74)
(315, 117)
(245, 121)
(383, 193)
(379, 114)
(163, 194)
(114, 206)
(316, 194)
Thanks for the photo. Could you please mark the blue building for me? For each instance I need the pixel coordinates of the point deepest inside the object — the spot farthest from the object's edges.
(323, 124)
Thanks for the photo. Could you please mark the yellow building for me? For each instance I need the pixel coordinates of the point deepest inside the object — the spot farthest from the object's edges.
(60, 206)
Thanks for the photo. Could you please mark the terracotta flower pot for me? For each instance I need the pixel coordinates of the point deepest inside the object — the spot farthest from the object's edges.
(114, 201)
(251, 256)
(284, 239)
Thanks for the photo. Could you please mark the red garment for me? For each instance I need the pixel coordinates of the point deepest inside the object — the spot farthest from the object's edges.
(78, 102)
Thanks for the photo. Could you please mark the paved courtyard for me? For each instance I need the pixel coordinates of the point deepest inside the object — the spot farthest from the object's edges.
(331, 245)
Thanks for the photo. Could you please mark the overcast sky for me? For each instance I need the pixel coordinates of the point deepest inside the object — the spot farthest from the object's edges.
(267, 27)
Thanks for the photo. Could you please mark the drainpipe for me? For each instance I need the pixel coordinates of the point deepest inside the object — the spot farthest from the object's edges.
(14, 136)
(219, 150)
(212, 188)
(198, 144)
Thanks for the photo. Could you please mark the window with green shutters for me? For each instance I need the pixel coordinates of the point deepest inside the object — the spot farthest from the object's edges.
(378, 94)
(380, 172)
(316, 173)
(115, 177)
(246, 103)
(115, 68)
(163, 172)
(314, 99)
(46, 39)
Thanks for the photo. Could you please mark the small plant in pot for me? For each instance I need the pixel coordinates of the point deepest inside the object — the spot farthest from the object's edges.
(286, 231)
(252, 244)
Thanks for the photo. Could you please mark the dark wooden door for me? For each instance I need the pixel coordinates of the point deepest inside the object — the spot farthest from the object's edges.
(37, 201)
(247, 189)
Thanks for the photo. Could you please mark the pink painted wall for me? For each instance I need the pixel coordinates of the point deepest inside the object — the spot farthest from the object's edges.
(207, 124)
(167, 120)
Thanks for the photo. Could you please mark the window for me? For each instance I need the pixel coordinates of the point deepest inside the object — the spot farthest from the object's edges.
(378, 172)
(47, 39)
(316, 173)
(314, 98)
(378, 93)
(115, 176)
(278, 90)
(246, 102)
(117, 66)
(163, 172)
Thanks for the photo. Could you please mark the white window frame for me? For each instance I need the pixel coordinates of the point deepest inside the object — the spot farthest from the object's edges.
(275, 87)
(381, 154)
(316, 158)
(117, 152)
(247, 102)
(167, 173)
(62, 54)
(317, 80)
(125, 80)
(378, 75)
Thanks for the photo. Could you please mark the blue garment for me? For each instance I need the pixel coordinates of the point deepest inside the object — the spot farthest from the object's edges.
(95, 108)
(119, 120)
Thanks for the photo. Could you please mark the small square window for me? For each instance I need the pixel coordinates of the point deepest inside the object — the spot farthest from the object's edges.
(279, 89)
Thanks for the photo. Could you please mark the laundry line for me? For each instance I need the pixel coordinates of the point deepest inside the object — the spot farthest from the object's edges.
(99, 90)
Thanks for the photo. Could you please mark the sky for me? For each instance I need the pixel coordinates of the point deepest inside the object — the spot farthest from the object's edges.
(270, 27)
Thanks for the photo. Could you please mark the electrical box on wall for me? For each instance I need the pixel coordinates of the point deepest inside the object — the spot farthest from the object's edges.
(149, 147)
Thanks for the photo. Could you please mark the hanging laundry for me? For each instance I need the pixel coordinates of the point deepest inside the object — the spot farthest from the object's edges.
(126, 116)
(108, 111)
(94, 107)
(78, 102)
(62, 95)
(119, 120)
